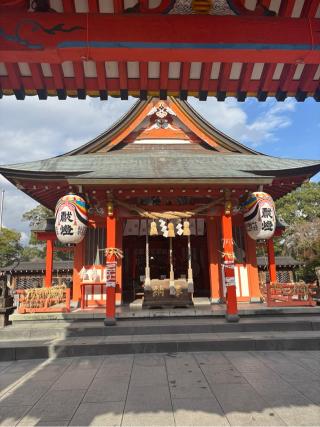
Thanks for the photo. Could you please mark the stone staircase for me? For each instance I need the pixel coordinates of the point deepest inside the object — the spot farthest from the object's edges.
(45, 339)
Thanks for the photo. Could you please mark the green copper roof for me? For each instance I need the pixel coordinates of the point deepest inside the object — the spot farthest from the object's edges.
(163, 164)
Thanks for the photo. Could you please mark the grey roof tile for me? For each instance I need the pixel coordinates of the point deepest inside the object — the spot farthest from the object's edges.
(163, 164)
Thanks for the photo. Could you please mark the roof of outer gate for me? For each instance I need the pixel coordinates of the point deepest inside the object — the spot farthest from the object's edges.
(180, 48)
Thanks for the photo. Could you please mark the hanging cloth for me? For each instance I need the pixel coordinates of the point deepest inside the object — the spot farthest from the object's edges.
(147, 282)
(190, 272)
(172, 288)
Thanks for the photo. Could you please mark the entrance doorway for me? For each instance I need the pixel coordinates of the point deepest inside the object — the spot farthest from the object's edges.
(134, 262)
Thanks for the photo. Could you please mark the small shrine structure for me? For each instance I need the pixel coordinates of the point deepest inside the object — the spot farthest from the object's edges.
(161, 164)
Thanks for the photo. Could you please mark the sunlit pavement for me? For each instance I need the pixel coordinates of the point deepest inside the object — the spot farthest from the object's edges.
(216, 388)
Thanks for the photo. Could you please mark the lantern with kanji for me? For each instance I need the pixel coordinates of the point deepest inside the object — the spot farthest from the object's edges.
(71, 219)
(259, 215)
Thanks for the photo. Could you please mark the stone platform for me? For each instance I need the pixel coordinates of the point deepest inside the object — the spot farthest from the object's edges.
(202, 310)
(69, 337)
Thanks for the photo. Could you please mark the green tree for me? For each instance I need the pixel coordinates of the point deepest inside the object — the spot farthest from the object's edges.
(36, 248)
(301, 205)
(301, 239)
(10, 247)
(32, 253)
(34, 217)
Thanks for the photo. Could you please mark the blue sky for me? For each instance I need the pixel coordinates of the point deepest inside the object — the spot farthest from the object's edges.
(33, 130)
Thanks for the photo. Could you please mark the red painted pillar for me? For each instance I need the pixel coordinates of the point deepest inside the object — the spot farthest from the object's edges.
(119, 263)
(251, 257)
(272, 261)
(111, 290)
(216, 292)
(78, 263)
(228, 267)
(49, 263)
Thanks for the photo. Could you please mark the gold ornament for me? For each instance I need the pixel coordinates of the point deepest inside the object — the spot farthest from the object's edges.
(201, 6)
(110, 211)
(171, 229)
(153, 229)
(186, 228)
(228, 207)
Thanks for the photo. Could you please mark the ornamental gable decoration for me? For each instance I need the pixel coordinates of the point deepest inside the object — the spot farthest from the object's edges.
(71, 219)
(259, 215)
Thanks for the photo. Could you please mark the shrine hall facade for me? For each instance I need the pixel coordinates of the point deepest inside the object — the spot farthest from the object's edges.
(160, 157)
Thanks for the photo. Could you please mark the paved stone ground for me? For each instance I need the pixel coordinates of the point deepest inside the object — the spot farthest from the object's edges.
(184, 389)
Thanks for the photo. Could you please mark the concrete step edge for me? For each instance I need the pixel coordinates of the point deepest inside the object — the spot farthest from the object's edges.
(169, 346)
(118, 330)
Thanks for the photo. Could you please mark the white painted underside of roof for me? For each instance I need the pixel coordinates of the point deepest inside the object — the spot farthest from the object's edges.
(161, 141)
(108, 6)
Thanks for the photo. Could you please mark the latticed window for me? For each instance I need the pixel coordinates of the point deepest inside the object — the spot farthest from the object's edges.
(283, 276)
(28, 282)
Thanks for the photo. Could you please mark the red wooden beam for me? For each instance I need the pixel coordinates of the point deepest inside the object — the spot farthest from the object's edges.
(38, 80)
(143, 71)
(102, 80)
(205, 78)
(286, 7)
(79, 79)
(68, 6)
(245, 79)
(159, 38)
(310, 8)
(118, 6)
(185, 73)
(123, 80)
(93, 6)
(15, 80)
(164, 70)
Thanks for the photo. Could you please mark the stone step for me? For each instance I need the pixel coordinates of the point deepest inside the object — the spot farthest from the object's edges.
(60, 330)
(160, 343)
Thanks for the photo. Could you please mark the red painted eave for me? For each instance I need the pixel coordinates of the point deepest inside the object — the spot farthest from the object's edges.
(33, 61)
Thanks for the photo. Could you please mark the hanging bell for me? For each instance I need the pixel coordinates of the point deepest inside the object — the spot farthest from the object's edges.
(186, 228)
(171, 229)
(153, 229)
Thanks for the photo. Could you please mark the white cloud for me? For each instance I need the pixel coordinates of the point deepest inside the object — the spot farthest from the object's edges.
(33, 130)
(229, 117)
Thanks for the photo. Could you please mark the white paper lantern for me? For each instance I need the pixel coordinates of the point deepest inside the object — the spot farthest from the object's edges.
(259, 215)
(71, 219)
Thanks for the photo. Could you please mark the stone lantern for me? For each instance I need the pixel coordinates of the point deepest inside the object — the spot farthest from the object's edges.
(6, 302)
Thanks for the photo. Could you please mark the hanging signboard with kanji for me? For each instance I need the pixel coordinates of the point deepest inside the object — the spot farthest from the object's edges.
(259, 215)
(71, 219)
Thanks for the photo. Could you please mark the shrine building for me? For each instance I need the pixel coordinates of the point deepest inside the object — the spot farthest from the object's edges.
(161, 164)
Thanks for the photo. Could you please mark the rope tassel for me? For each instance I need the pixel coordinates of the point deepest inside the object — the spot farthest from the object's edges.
(186, 228)
(171, 229)
(153, 229)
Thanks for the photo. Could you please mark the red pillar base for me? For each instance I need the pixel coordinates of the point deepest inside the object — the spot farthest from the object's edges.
(111, 307)
(231, 301)
(109, 321)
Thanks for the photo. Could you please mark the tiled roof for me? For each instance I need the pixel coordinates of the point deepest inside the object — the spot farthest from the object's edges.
(170, 164)
(38, 266)
(286, 261)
